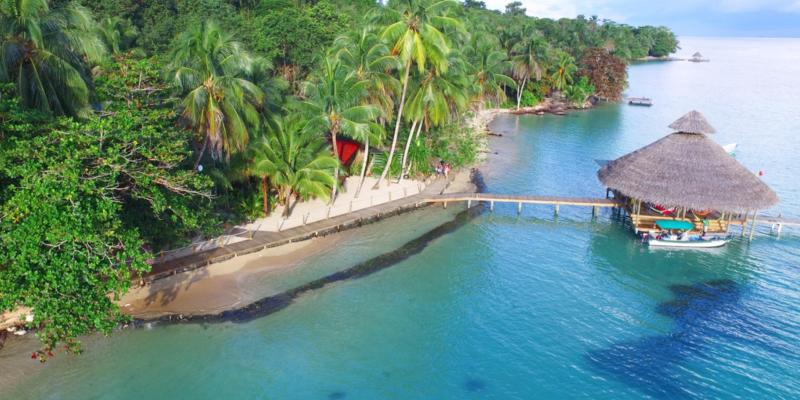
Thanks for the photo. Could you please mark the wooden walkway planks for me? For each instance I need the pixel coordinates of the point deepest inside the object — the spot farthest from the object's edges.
(524, 199)
(266, 239)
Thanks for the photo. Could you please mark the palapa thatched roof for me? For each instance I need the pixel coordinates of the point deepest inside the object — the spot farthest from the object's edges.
(697, 55)
(692, 122)
(688, 169)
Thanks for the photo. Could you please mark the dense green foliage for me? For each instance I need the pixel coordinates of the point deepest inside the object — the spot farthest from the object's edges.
(131, 126)
(79, 204)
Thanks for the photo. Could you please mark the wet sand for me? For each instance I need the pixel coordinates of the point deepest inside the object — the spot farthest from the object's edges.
(220, 286)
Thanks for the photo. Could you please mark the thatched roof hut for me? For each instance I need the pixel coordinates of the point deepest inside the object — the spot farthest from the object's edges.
(697, 55)
(687, 169)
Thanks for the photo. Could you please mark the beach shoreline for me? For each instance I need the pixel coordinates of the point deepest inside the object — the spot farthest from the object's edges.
(213, 286)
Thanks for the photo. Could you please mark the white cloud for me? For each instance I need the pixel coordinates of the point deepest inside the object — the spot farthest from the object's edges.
(555, 8)
(618, 10)
(737, 6)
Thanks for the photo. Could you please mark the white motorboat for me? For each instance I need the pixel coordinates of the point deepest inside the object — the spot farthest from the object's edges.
(683, 239)
(688, 243)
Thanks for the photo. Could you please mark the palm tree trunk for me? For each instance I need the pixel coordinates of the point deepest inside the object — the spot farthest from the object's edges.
(520, 90)
(405, 168)
(364, 166)
(336, 168)
(202, 152)
(396, 127)
(264, 194)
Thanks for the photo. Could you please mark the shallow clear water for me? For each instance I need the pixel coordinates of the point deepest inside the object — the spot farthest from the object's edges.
(526, 306)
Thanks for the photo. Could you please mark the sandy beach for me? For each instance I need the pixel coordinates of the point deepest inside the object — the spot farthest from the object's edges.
(220, 286)
(224, 286)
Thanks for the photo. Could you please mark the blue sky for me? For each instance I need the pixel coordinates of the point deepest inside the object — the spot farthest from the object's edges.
(686, 17)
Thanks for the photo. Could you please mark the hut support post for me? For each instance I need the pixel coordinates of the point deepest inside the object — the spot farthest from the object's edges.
(753, 228)
(556, 209)
(469, 203)
(744, 223)
(491, 205)
(519, 208)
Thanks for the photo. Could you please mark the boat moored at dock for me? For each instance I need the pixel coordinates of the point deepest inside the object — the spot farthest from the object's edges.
(640, 101)
(686, 182)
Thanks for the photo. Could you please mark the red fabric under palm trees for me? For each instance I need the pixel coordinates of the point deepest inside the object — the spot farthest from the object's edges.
(347, 149)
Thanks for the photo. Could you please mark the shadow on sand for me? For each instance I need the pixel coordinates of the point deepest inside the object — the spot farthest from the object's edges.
(161, 294)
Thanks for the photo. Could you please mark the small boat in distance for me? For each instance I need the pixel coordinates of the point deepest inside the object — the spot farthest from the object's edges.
(640, 101)
(697, 57)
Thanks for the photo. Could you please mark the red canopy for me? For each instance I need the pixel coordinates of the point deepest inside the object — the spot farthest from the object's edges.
(347, 149)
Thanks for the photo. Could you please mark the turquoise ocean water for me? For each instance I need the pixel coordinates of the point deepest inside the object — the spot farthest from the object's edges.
(502, 306)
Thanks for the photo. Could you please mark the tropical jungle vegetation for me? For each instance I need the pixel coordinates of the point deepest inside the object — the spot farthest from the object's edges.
(129, 127)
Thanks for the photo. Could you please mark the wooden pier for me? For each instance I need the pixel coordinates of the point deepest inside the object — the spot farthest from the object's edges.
(519, 200)
(776, 223)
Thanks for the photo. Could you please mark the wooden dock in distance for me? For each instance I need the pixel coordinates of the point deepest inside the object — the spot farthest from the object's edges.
(556, 201)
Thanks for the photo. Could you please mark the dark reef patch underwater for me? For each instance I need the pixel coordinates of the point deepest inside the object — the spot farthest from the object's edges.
(652, 364)
(704, 315)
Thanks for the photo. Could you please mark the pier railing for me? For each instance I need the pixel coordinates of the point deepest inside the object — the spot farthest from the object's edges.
(556, 201)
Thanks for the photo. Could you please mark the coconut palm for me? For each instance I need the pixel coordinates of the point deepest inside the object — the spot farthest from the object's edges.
(220, 103)
(528, 60)
(117, 33)
(258, 161)
(295, 159)
(565, 69)
(415, 32)
(45, 51)
(369, 59)
(334, 100)
(488, 68)
(436, 99)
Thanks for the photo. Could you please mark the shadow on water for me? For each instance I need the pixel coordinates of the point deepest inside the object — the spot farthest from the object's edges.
(275, 303)
(653, 364)
(708, 314)
(474, 385)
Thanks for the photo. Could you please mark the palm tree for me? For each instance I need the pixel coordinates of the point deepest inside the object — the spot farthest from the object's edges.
(295, 159)
(488, 68)
(116, 33)
(565, 69)
(333, 98)
(221, 104)
(438, 97)
(45, 52)
(260, 162)
(415, 35)
(369, 59)
(528, 59)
